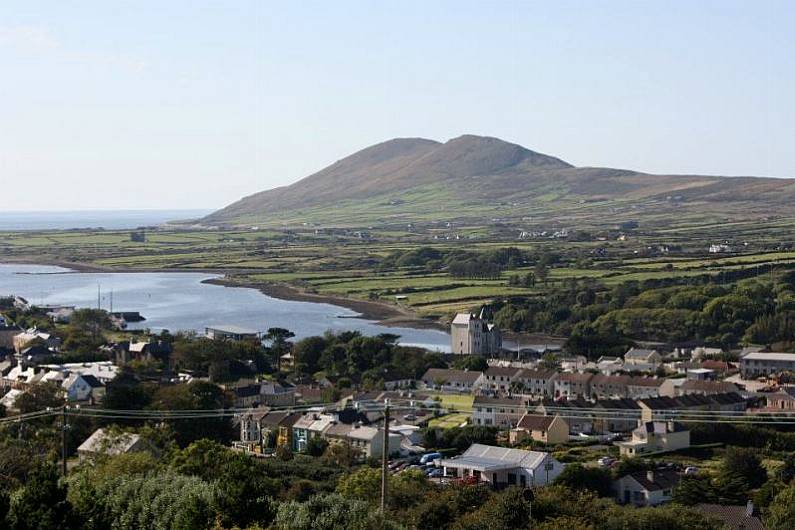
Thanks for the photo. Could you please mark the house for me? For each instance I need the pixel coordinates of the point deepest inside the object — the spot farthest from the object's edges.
(368, 441)
(691, 386)
(578, 413)
(758, 364)
(572, 385)
(538, 384)
(733, 517)
(311, 425)
(9, 400)
(646, 488)
(7, 334)
(104, 371)
(103, 442)
(784, 399)
(502, 412)
(609, 386)
(262, 393)
(261, 429)
(500, 466)
(654, 437)
(615, 415)
(642, 360)
(82, 387)
(546, 429)
(229, 332)
(670, 407)
(473, 335)
(643, 387)
(609, 365)
(452, 380)
(21, 340)
(500, 378)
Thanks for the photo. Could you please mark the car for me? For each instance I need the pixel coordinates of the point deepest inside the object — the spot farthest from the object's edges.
(430, 457)
(435, 473)
(691, 470)
(606, 461)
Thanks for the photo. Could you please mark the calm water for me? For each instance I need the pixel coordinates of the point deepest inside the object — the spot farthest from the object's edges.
(179, 301)
(110, 220)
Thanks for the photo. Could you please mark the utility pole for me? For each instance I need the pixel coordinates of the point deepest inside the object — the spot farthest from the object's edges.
(63, 439)
(385, 457)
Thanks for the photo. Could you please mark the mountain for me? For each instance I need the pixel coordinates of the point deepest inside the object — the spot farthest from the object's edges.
(469, 177)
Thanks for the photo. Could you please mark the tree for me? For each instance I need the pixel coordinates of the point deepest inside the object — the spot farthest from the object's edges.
(316, 446)
(781, 512)
(41, 504)
(39, 397)
(197, 395)
(330, 512)
(744, 464)
(578, 477)
(694, 489)
(279, 342)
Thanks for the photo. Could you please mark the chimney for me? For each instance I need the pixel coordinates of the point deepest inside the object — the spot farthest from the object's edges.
(650, 475)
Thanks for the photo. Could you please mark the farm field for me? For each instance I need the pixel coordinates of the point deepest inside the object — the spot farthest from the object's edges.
(349, 263)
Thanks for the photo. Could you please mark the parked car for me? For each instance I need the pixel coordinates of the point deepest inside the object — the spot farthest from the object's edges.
(606, 461)
(435, 472)
(691, 470)
(430, 457)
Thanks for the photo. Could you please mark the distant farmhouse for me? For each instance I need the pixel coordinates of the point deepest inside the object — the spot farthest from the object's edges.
(473, 335)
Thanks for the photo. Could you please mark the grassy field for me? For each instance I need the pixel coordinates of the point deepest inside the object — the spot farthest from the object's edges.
(342, 262)
(449, 421)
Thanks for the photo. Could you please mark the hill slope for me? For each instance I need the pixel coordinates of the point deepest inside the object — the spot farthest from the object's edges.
(466, 178)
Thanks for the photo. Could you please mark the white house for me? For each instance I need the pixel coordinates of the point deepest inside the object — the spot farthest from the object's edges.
(82, 387)
(646, 488)
(500, 466)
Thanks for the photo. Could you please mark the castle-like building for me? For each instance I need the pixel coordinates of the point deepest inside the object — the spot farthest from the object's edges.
(473, 335)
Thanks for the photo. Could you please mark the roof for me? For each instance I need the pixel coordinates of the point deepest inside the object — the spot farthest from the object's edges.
(102, 442)
(691, 400)
(495, 371)
(485, 400)
(761, 356)
(535, 422)
(525, 373)
(463, 318)
(92, 381)
(656, 480)
(492, 458)
(716, 387)
(645, 381)
(639, 353)
(574, 378)
(464, 376)
(734, 517)
(623, 403)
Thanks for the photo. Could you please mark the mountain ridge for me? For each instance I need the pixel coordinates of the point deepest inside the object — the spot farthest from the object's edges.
(413, 178)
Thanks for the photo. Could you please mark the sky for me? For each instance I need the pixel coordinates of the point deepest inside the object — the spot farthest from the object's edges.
(194, 104)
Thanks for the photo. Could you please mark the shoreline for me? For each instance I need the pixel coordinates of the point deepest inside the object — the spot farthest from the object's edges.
(381, 313)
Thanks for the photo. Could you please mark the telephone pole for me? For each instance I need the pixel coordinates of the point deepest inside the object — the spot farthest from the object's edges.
(385, 457)
(63, 439)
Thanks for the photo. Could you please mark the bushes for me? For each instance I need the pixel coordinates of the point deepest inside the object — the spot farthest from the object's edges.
(330, 512)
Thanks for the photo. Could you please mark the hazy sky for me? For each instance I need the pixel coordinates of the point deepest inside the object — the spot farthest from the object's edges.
(171, 104)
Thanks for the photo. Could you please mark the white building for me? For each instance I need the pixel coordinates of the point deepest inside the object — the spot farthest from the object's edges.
(472, 335)
(500, 466)
(763, 364)
(646, 488)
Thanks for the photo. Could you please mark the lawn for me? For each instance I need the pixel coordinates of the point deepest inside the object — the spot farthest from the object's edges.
(449, 421)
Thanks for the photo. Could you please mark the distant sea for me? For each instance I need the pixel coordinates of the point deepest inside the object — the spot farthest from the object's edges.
(107, 219)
